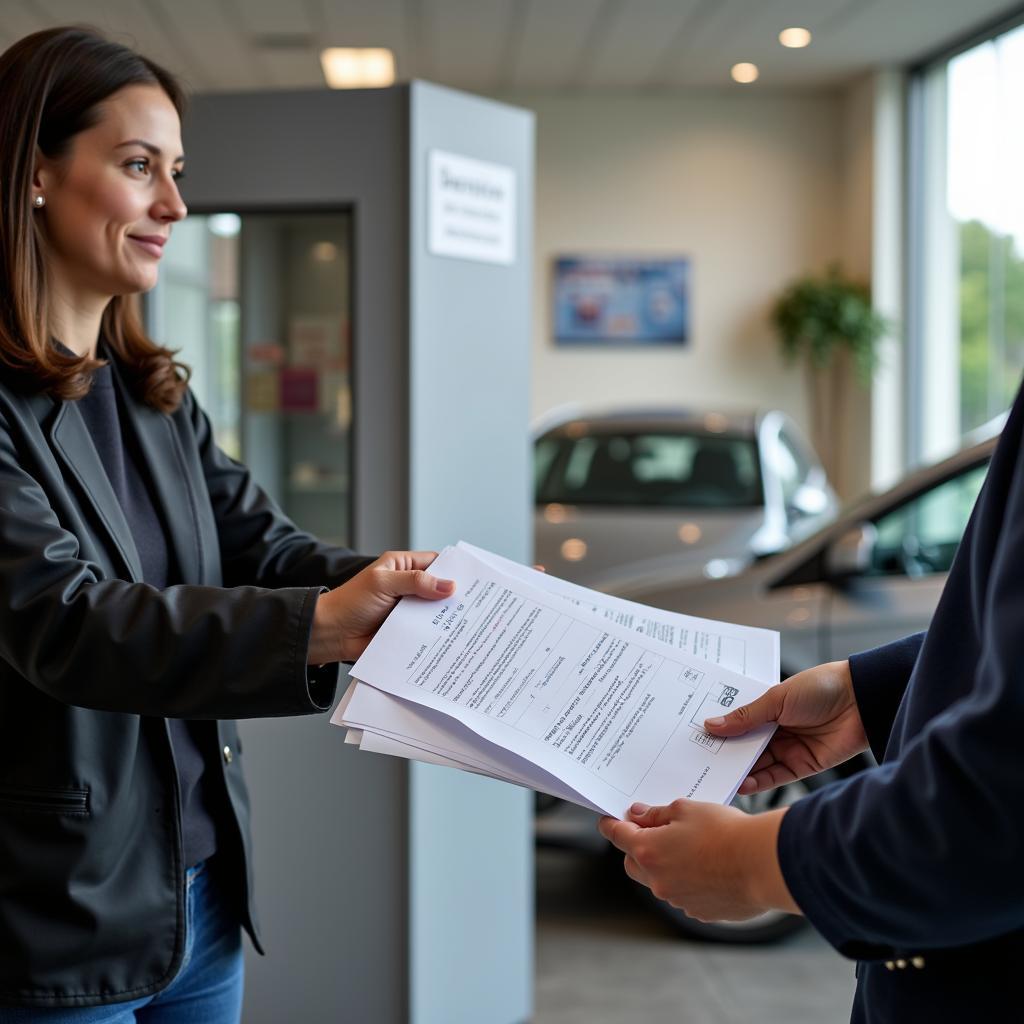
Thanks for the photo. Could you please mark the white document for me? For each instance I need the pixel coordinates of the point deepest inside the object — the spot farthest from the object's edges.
(380, 743)
(601, 710)
(744, 649)
(420, 728)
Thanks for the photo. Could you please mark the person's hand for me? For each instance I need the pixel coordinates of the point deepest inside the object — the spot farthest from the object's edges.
(819, 726)
(346, 619)
(715, 863)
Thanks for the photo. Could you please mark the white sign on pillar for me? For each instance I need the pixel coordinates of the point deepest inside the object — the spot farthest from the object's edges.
(472, 209)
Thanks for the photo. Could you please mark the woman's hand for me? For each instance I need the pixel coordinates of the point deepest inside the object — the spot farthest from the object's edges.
(346, 619)
(715, 863)
(819, 726)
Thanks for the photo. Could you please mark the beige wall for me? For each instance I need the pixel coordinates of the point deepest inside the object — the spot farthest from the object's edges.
(870, 448)
(756, 188)
(748, 186)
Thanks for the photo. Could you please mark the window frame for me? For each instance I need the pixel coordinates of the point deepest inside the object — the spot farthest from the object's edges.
(916, 221)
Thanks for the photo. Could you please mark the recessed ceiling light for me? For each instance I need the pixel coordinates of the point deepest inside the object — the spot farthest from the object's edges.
(795, 38)
(745, 73)
(346, 68)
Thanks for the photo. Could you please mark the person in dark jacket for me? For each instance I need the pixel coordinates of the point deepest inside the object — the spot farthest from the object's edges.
(150, 591)
(911, 868)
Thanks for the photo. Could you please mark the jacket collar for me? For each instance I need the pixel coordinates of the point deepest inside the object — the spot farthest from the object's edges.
(161, 452)
(72, 443)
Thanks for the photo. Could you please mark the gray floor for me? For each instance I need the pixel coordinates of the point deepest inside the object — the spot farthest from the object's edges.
(603, 957)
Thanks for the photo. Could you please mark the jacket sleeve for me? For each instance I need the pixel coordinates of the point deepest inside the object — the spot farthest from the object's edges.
(258, 542)
(188, 651)
(880, 678)
(925, 851)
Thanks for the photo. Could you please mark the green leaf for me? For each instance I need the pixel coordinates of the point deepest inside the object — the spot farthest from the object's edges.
(816, 317)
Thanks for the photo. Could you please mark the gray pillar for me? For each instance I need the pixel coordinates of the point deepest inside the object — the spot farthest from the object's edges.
(391, 892)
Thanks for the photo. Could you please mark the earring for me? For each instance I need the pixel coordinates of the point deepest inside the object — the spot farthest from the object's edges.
(38, 202)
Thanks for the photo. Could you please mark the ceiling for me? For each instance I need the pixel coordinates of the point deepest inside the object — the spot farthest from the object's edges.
(511, 45)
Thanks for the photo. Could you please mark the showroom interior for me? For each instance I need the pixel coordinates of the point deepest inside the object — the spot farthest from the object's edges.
(670, 185)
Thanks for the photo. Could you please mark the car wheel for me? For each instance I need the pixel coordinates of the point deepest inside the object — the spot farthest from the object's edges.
(767, 927)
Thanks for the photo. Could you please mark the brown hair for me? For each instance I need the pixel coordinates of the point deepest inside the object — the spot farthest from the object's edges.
(52, 83)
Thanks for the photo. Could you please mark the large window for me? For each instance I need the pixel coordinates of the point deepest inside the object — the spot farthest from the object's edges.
(986, 200)
(969, 240)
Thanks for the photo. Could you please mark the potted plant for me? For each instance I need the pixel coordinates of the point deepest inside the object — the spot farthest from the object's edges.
(820, 319)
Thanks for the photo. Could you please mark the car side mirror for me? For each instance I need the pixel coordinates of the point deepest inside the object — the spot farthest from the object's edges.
(852, 553)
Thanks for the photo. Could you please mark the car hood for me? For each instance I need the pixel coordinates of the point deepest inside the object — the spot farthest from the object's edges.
(709, 598)
(619, 544)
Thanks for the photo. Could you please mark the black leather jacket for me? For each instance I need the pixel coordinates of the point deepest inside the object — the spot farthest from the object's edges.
(92, 661)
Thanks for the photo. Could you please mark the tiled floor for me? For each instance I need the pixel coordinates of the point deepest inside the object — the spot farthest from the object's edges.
(605, 958)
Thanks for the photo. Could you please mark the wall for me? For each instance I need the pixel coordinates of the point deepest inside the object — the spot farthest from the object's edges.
(749, 186)
(376, 883)
(324, 814)
(872, 436)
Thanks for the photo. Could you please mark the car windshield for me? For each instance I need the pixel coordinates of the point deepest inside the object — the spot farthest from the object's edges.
(675, 470)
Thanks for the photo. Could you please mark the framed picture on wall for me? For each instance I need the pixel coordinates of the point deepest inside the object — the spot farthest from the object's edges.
(621, 300)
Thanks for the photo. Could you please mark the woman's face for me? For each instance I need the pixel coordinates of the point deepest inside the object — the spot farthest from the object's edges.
(112, 199)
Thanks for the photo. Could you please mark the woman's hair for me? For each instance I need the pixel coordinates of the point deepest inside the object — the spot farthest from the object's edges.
(52, 84)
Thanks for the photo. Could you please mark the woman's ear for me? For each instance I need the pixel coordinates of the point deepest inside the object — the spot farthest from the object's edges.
(44, 175)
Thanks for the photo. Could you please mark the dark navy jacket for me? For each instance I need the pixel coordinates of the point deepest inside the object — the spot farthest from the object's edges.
(916, 867)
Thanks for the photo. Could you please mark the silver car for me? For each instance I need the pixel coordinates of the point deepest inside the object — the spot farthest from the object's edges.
(872, 576)
(670, 494)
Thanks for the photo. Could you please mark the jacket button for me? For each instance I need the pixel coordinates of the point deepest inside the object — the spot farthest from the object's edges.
(228, 756)
(890, 965)
(901, 964)
(917, 961)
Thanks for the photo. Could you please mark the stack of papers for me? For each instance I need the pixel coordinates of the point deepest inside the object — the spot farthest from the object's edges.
(536, 681)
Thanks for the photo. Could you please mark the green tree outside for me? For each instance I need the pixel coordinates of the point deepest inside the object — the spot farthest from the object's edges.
(991, 323)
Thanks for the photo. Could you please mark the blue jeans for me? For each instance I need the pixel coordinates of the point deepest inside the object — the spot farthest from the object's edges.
(207, 988)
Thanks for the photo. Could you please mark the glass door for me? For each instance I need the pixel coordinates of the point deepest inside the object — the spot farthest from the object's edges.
(259, 306)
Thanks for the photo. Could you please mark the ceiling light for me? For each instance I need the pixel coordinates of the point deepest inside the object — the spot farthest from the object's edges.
(795, 38)
(745, 73)
(346, 68)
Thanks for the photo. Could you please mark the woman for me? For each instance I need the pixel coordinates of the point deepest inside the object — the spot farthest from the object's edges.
(150, 590)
